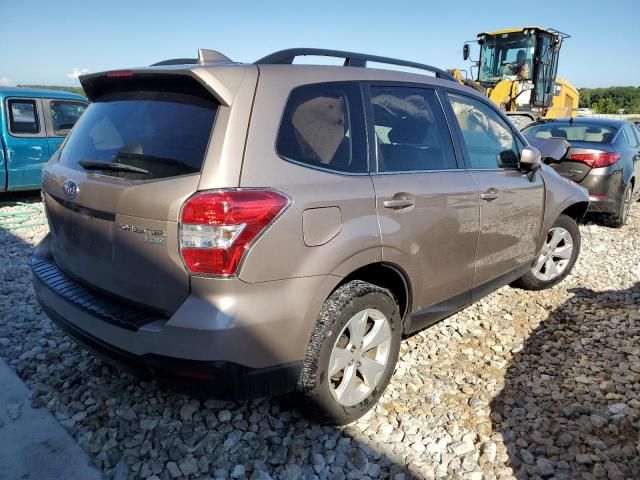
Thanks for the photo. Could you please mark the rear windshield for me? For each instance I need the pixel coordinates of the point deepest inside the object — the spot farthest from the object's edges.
(577, 132)
(165, 134)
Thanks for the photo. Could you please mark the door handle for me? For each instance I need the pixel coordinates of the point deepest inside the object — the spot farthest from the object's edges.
(399, 203)
(491, 194)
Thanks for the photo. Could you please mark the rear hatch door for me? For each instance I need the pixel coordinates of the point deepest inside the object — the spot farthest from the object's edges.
(114, 191)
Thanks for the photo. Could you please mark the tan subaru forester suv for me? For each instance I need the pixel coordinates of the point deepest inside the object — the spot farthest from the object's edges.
(243, 230)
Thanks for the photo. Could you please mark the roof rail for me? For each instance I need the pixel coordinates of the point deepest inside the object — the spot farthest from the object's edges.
(204, 56)
(351, 59)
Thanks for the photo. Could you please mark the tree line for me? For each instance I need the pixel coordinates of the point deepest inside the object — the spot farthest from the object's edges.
(611, 99)
(77, 90)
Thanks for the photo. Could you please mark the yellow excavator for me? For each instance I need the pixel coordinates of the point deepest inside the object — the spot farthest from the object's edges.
(517, 70)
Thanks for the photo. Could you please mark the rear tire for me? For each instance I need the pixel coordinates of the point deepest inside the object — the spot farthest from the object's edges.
(558, 256)
(619, 219)
(332, 385)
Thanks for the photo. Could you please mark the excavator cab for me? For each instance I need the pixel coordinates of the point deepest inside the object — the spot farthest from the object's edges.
(518, 68)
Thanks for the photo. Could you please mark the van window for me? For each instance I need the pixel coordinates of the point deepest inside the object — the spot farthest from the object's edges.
(322, 127)
(165, 133)
(23, 116)
(64, 115)
(411, 130)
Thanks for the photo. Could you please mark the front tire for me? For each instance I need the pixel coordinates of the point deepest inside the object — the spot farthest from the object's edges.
(557, 257)
(352, 353)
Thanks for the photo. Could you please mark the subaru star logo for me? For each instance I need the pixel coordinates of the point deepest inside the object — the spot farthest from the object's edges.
(70, 189)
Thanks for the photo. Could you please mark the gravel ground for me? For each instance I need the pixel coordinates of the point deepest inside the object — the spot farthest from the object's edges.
(520, 385)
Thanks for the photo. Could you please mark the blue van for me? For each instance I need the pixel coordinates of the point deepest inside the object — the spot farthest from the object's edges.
(33, 124)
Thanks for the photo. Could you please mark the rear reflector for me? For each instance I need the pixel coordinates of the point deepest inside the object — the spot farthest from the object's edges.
(217, 228)
(120, 74)
(596, 159)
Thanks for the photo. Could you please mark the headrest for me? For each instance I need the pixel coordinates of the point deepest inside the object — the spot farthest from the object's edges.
(556, 132)
(409, 130)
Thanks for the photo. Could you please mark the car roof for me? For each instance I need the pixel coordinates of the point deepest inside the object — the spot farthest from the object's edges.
(38, 93)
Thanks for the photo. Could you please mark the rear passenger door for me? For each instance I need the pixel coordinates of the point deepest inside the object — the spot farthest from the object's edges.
(26, 142)
(427, 206)
(511, 202)
(633, 137)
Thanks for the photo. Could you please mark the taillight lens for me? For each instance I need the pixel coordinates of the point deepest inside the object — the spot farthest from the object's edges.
(596, 159)
(218, 227)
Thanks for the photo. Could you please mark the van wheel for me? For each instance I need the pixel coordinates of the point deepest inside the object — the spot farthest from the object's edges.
(619, 219)
(557, 257)
(352, 353)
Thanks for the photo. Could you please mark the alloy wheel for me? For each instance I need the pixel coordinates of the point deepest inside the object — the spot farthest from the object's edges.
(359, 357)
(554, 256)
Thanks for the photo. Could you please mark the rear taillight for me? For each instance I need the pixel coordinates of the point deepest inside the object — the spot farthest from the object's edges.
(596, 159)
(217, 228)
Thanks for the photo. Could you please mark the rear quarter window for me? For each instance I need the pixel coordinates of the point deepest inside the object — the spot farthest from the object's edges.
(323, 127)
(23, 116)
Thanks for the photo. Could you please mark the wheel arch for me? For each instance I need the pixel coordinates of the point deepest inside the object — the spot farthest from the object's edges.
(577, 211)
(386, 275)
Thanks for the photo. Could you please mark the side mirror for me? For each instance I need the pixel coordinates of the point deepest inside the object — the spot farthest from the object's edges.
(530, 159)
(466, 51)
(552, 150)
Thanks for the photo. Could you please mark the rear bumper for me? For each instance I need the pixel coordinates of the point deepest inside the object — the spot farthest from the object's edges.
(205, 348)
(598, 204)
(606, 188)
(217, 379)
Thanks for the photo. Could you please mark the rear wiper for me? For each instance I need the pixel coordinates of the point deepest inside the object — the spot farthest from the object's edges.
(114, 166)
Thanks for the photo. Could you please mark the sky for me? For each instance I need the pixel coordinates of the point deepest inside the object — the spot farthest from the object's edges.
(51, 43)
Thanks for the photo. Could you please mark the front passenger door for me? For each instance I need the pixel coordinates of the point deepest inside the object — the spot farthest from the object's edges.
(61, 116)
(511, 203)
(634, 140)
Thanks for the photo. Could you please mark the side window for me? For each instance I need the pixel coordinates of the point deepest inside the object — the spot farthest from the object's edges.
(519, 146)
(323, 126)
(489, 139)
(411, 130)
(631, 138)
(637, 132)
(64, 115)
(23, 116)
